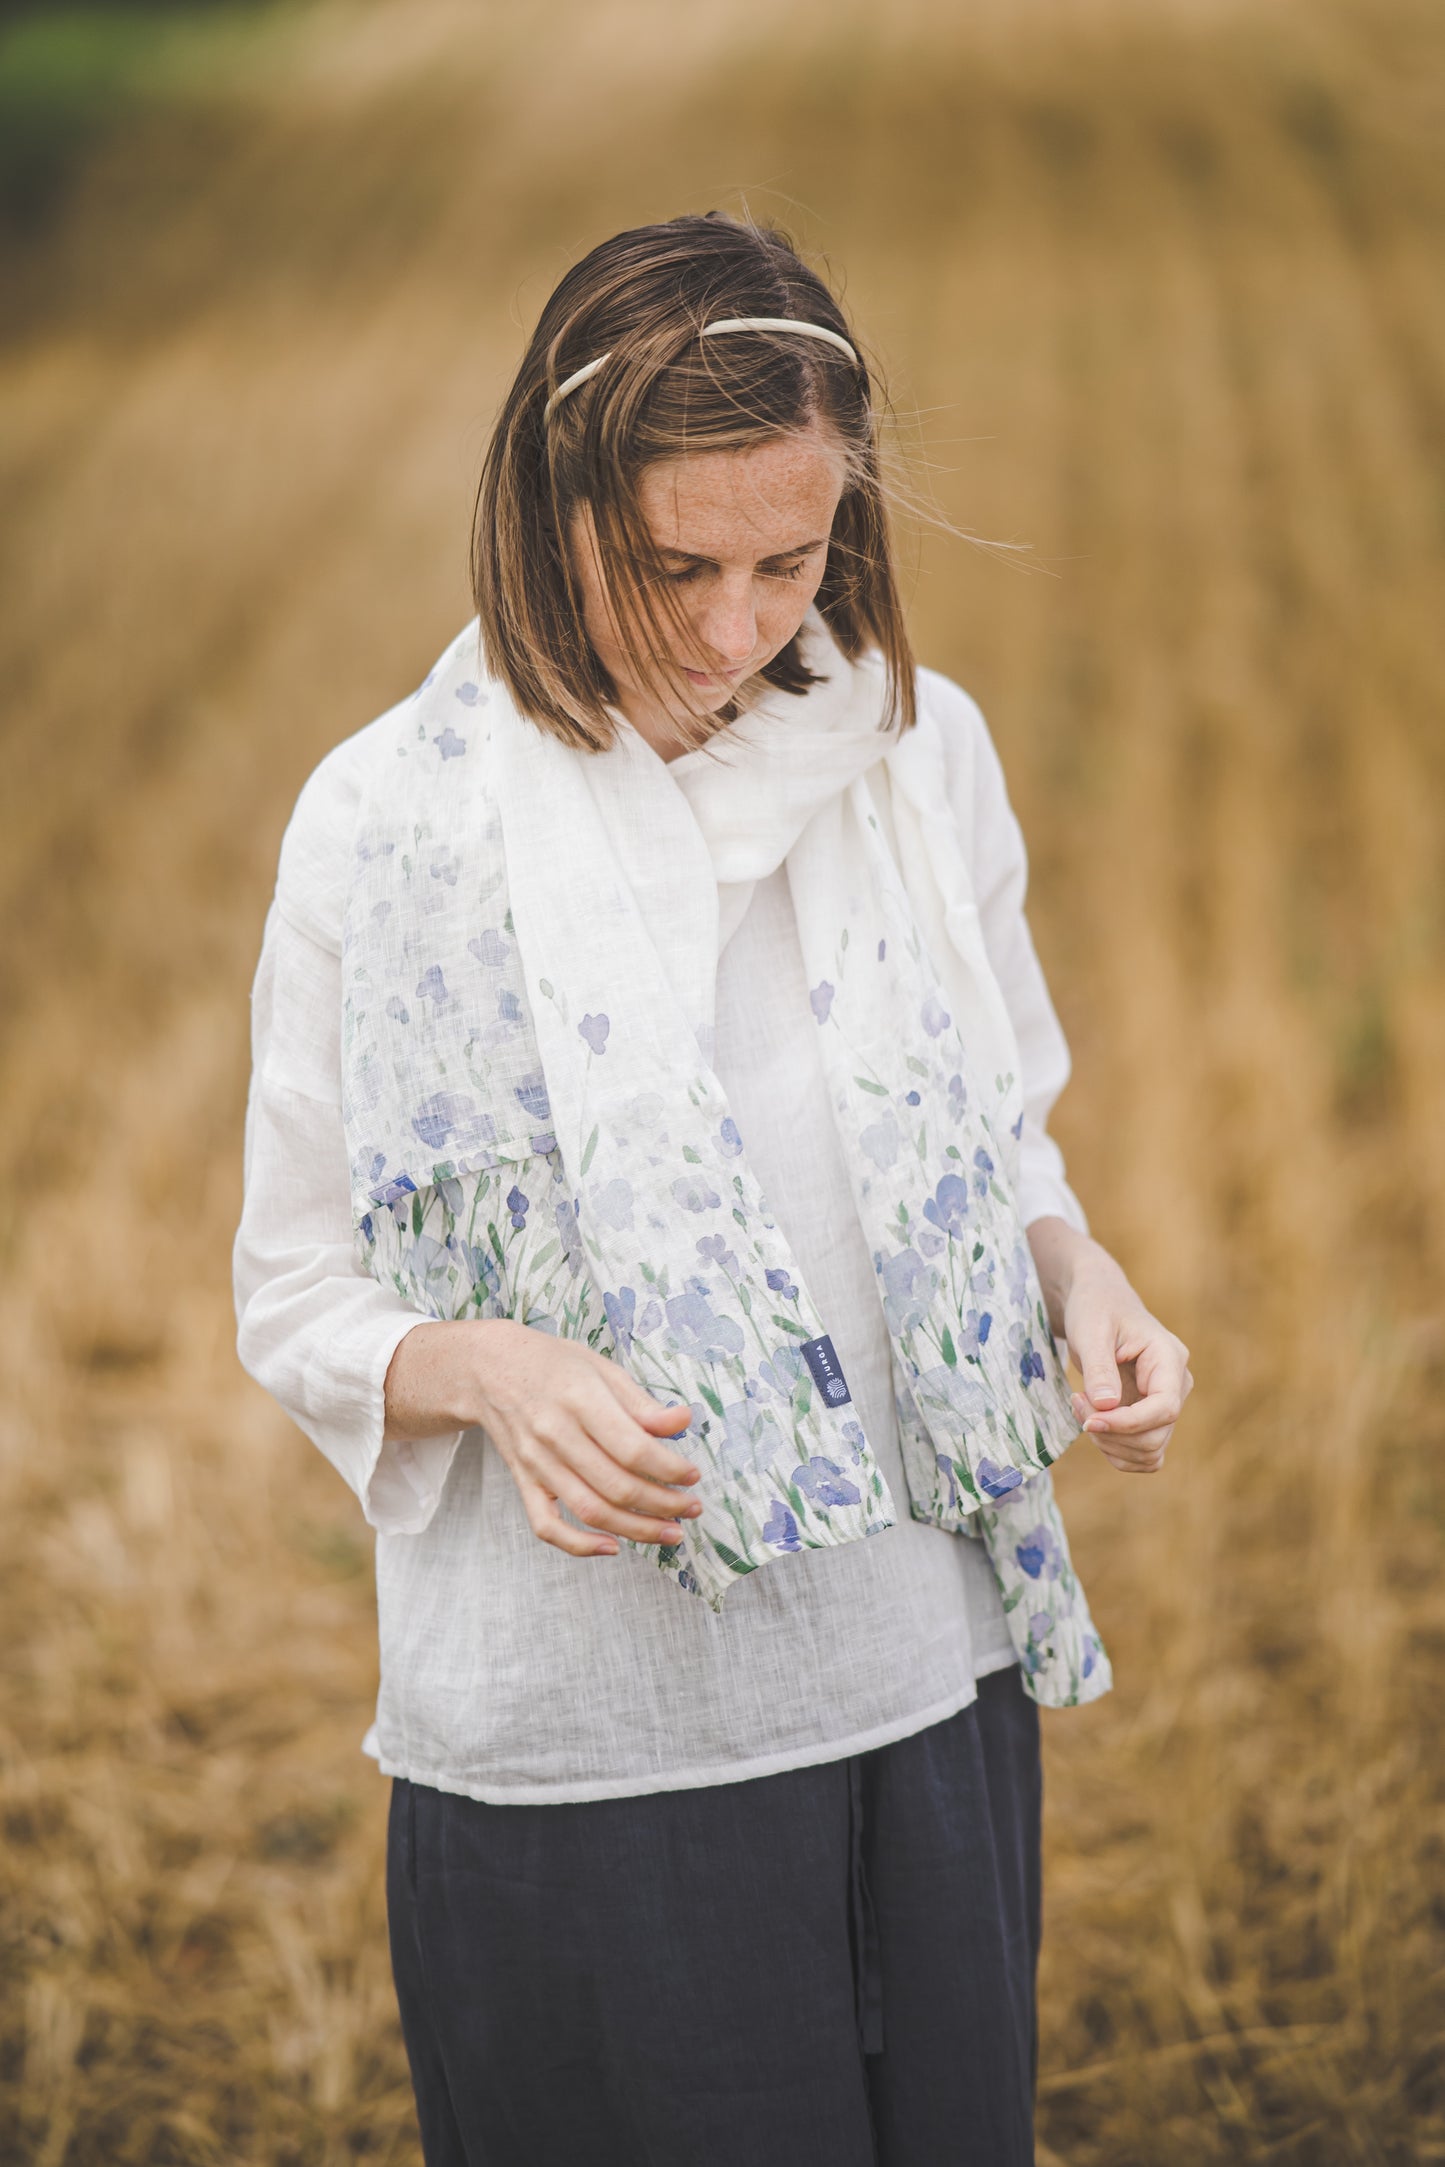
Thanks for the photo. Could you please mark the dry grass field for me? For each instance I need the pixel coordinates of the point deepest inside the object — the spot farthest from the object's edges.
(1161, 289)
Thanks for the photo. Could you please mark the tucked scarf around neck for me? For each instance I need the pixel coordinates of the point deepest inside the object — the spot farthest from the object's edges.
(531, 952)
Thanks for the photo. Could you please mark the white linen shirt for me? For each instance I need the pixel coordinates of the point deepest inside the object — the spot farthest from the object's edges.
(511, 1672)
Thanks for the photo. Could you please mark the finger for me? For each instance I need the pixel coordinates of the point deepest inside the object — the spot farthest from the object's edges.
(616, 1429)
(548, 1525)
(620, 1484)
(1149, 1413)
(1148, 1463)
(1130, 1452)
(1100, 1370)
(639, 1402)
(585, 1504)
(1162, 1365)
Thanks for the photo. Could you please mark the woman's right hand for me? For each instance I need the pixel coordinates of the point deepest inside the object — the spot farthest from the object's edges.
(573, 1428)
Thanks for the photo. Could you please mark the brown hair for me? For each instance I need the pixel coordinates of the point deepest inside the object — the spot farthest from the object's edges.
(643, 297)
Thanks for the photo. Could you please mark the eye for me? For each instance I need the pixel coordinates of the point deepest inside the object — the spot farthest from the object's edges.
(681, 579)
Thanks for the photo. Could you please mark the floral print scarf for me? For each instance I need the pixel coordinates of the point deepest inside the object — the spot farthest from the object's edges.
(530, 957)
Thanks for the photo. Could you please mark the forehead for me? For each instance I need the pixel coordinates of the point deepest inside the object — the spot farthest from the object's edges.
(764, 500)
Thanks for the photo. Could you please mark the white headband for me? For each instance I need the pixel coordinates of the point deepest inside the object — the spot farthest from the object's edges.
(724, 323)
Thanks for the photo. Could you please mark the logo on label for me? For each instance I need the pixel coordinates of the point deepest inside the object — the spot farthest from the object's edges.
(827, 1370)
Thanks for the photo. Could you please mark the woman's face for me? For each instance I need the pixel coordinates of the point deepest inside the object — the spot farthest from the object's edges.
(743, 536)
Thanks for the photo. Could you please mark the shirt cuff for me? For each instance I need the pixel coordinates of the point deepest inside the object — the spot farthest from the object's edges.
(401, 1478)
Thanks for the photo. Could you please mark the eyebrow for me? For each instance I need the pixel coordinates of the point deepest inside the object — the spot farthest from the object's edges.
(691, 556)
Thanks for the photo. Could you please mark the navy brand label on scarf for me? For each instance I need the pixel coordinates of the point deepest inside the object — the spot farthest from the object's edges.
(827, 1370)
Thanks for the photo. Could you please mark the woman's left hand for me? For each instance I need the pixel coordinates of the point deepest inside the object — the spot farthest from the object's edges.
(1135, 1370)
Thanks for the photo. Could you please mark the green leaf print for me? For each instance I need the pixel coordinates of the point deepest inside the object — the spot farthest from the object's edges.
(950, 1352)
(591, 1147)
(879, 1091)
(790, 1324)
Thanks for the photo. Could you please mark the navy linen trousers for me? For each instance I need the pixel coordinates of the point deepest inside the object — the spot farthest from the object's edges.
(830, 1967)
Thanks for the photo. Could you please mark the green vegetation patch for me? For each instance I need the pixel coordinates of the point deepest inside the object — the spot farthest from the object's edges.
(69, 74)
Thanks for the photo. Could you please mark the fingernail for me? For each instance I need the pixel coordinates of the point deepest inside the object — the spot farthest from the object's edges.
(604, 1550)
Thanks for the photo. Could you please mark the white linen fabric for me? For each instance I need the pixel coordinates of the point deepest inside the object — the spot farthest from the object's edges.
(611, 1016)
(509, 1672)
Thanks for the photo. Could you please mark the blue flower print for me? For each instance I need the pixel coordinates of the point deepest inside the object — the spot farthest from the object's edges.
(1041, 1624)
(854, 1439)
(780, 1283)
(509, 1008)
(1038, 1554)
(782, 1370)
(699, 1331)
(448, 744)
(1016, 1128)
(984, 1164)
(957, 1097)
(471, 695)
(1031, 1363)
(595, 1029)
(531, 1096)
(935, 1017)
(820, 1000)
(750, 1439)
(518, 1205)
(730, 1141)
(909, 1286)
(436, 1117)
(973, 1332)
(882, 1141)
(397, 1009)
(687, 1579)
(713, 1249)
(947, 1208)
(780, 1529)
(490, 948)
(825, 1482)
(882, 950)
(945, 1467)
(612, 1204)
(431, 986)
(621, 1311)
(997, 1481)
(1091, 1655)
(650, 1319)
(913, 1098)
(929, 1243)
(957, 1389)
(693, 1193)
(566, 1217)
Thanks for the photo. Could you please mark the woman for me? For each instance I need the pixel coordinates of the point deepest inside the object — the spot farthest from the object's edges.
(650, 1211)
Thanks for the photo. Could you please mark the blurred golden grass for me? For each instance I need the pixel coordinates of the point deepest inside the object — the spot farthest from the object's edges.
(1163, 286)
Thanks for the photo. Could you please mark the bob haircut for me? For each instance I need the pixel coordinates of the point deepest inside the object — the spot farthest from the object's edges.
(642, 298)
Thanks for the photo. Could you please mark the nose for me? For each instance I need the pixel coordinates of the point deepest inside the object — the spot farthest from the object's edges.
(728, 622)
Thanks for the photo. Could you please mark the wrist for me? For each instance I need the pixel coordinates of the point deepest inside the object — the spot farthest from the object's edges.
(1063, 1256)
(436, 1378)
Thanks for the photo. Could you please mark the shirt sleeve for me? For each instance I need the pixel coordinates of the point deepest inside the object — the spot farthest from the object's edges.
(313, 1327)
(999, 864)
